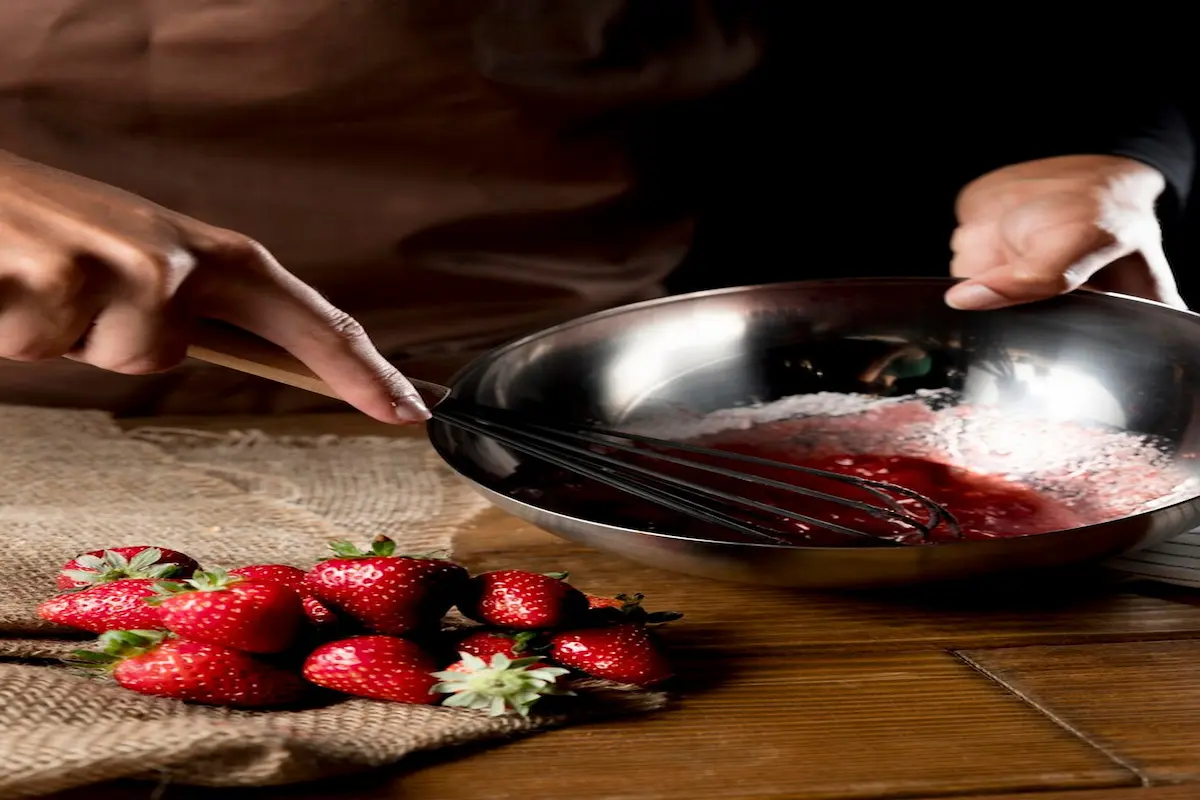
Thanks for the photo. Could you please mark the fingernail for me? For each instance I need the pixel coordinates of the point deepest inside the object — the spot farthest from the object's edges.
(974, 297)
(412, 409)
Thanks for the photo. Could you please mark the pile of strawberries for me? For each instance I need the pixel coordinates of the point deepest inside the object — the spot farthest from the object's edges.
(368, 623)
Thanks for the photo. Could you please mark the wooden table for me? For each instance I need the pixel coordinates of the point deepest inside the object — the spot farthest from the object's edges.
(1087, 694)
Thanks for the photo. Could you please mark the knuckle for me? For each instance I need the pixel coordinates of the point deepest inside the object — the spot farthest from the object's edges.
(346, 328)
(227, 245)
(156, 273)
(54, 283)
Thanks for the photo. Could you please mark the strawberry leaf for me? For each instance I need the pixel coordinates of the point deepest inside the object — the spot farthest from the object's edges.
(91, 659)
(345, 549)
(145, 559)
(124, 644)
(498, 686)
(165, 570)
(80, 575)
(90, 561)
(211, 580)
(558, 576)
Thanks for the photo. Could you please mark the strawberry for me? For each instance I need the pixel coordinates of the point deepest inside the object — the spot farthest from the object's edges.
(387, 593)
(499, 684)
(625, 608)
(149, 662)
(484, 644)
(106, 607)
(228, 610)
(625, 653)
(106, 566)
(378, 667)
(292, 577)
(283, 574)
(595, 601)
(512, 598)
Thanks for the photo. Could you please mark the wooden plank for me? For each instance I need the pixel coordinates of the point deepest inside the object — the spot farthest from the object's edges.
(821, 726)
(1137, 701)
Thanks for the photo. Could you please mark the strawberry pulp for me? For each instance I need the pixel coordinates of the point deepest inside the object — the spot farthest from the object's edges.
(985, 506)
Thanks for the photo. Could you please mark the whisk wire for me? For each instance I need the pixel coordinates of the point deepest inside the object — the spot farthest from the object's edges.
(607, 475)
(543, 441)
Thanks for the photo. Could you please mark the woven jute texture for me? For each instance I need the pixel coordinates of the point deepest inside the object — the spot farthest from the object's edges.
(72, 481)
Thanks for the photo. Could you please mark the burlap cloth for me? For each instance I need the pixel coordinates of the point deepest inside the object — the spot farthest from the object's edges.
(72, 481)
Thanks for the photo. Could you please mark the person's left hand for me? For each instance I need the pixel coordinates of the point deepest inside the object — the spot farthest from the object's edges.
(1034, 230)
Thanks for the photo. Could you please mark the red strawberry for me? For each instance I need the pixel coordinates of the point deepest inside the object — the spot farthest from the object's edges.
(106, 607)
(498, 684)
(229, 610)
(625, 653)
(512, 598)
(385, 592)
(283, 574)
(484, 644)
(379, 667)
(142, 561)
(292, 577)
(149, 663)
(625, 608)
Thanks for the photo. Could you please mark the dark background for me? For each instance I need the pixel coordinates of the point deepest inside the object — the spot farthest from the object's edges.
(775, 203)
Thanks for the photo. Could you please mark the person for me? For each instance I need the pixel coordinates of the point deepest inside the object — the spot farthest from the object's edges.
(449, 175)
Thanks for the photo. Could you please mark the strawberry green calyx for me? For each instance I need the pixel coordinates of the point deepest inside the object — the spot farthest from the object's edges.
(502, 685)
(522, 641)
(116, 646)
(210, 580)
(114, 566)
(558, 576)
(380, 547)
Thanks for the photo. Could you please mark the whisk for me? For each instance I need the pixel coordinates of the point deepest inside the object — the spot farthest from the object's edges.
(591, 452)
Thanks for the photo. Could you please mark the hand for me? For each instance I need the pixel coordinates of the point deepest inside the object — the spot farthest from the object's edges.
(1042, 228)
(105, 277)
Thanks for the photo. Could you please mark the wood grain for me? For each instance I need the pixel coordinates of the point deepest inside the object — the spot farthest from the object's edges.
(1139, 702)
(821, 726)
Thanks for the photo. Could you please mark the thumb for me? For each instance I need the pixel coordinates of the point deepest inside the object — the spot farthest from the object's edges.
(1059, 260)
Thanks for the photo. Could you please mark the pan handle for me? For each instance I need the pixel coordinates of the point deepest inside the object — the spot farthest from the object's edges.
(236, 349)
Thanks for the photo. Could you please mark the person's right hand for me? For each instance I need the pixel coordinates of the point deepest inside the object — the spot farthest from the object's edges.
(108, 278)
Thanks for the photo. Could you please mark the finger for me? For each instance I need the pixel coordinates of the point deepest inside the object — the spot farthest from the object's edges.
(272, 303)
(1060, 260)
(132, 340)
(44, 309)
(975, 249)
